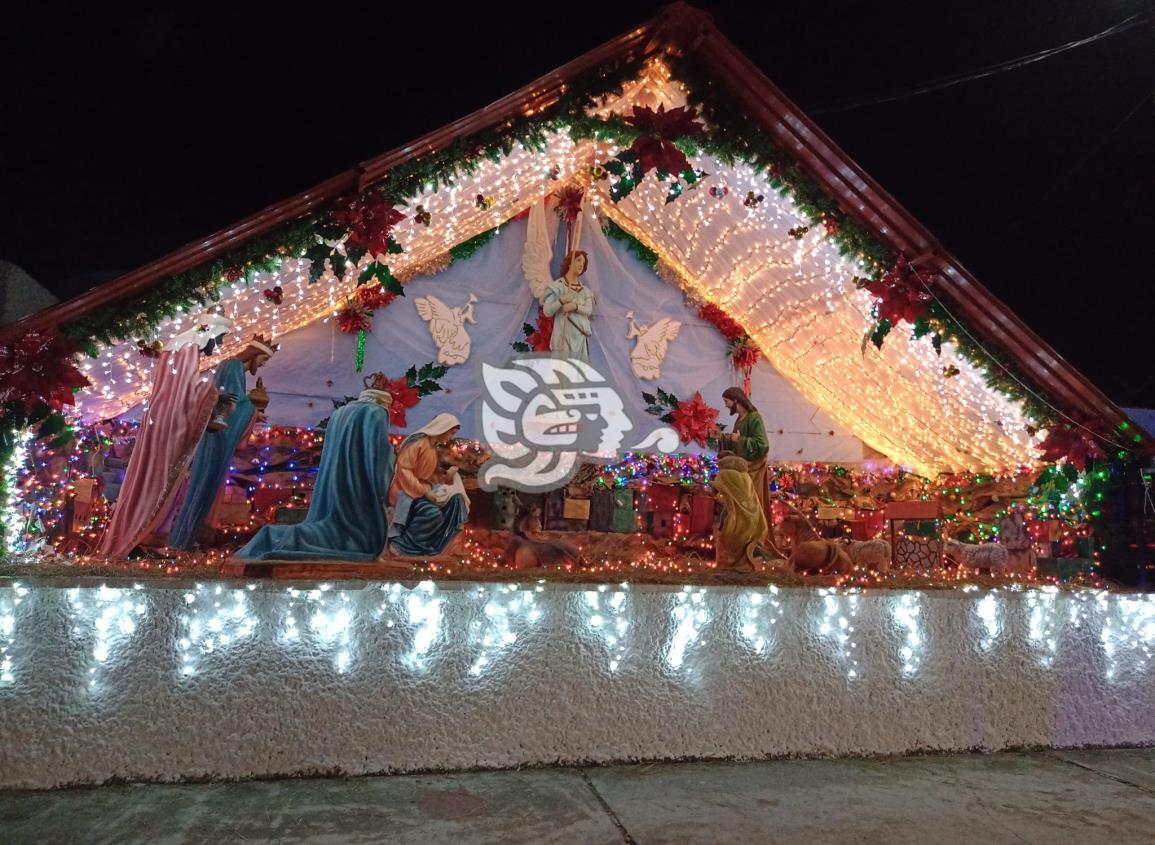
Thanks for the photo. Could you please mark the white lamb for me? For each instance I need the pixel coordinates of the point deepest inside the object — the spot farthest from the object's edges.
(990, 556)
(872, 555)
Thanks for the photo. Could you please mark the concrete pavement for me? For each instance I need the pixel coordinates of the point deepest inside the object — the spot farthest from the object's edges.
(1081, 797)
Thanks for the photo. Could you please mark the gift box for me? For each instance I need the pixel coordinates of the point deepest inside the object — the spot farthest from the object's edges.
(662, 498)
(233, 513)
(235, 493)
(1063, 568)
(623, 497)
(602, 507)
(556, 510)
(701, 517)
(576, 509)
(266, 497)
(290, 516)
(661, 523)
(625, 521)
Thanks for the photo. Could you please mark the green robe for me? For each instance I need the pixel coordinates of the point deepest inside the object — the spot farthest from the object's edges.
(750, 441)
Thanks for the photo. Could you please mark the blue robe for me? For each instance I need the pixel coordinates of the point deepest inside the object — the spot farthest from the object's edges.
(419, 527)
(346, 519)
(211, 461)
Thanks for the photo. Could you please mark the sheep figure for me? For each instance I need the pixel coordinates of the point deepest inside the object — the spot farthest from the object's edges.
(990, 556)
(871, 555)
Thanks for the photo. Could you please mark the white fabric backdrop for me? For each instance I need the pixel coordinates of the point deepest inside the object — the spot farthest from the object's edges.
(298, 378)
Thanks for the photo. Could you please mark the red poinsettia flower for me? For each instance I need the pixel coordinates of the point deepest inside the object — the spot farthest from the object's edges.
(404, 396)
(370, 222)
(353, 318)
(234, 272)
(668, 125)
(658, 154)
(539, 340)
(722, 321)
(1073, 442)
(569, 202)
(374, 298)
(902, 294)
(694, 420)
(654, 147)
(744, 354)
(38, 368)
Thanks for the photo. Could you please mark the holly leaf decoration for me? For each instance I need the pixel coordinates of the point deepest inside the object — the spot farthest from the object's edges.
(528, 329)
(520, 346)
(317, 255)
(936, 342)
(649, 398)
(881, 330)
(394, 248)
(921, 328)
(411, 375)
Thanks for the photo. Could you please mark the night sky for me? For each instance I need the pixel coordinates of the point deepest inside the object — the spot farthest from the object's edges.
(126, 137)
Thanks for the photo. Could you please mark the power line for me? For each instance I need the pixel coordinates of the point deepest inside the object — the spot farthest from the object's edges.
(984, 72)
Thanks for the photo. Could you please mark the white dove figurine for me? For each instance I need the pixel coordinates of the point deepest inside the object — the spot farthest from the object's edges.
(650, 349)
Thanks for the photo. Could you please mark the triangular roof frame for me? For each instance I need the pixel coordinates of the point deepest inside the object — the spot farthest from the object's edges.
(681, 30)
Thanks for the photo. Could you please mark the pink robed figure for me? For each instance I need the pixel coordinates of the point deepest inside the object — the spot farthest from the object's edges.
(178, 411)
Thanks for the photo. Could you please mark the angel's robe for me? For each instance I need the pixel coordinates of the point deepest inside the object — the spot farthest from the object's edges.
(571, 331)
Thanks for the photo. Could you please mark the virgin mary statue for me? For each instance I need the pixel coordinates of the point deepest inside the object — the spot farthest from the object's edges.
(429, 507)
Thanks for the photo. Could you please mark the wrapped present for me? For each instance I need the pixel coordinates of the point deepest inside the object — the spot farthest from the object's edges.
(504, 509)
(290, 516)
(1064, 568)
(661, 522)
(701, 516)
(480, 506)
(625, 521)
(266, 497)
(235, 493)
(662, 497)
(623, 497)
(87, 489)
(233, 513)
(602, 507)
(576, 509)
(556, 509)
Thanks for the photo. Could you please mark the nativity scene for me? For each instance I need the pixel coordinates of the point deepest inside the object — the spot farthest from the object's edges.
(838, 407)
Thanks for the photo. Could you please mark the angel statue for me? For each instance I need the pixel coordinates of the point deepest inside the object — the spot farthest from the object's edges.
(447, 326)
(566, 299)
(574, 302)
(650, 350)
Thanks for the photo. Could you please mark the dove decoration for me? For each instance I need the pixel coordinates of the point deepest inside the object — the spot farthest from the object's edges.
(650, 349)
(447, 326)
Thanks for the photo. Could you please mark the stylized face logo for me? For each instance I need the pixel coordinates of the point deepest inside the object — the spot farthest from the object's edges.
(540, 415)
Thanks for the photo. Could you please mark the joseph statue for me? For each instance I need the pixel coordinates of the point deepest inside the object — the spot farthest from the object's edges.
(748, 441)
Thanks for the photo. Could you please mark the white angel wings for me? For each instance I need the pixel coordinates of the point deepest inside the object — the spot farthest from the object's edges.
(650, 350)
(535, 261)
(447, 327)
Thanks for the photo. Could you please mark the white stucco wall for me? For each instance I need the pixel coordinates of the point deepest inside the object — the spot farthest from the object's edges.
(167, 682)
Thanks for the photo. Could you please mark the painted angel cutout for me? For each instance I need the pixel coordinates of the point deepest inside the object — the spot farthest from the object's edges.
(447, 326)
(650, 350)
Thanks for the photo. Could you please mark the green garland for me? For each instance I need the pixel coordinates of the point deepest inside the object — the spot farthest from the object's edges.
(731, 139)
